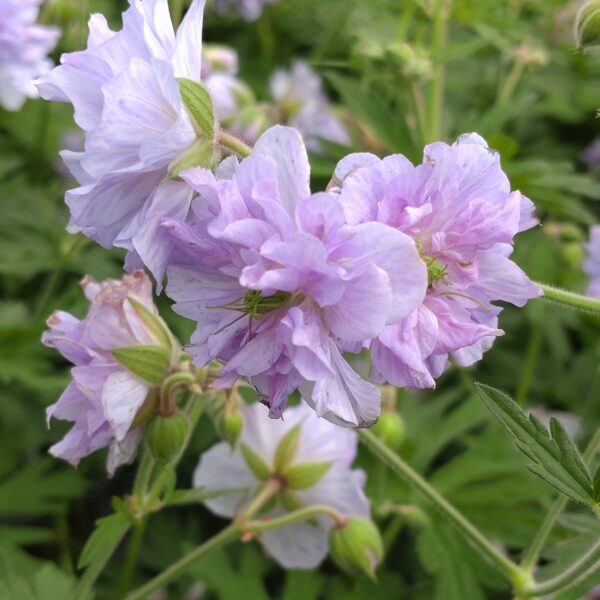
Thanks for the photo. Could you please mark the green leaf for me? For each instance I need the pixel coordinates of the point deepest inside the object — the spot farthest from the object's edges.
(287, 448)
(150, 363)
(100, 547)
(255, 463)
(597, 485)
(553, 455)
(199, 105)
(305, 475)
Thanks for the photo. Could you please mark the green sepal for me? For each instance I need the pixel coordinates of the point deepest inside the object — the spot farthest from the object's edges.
(155, 324)
(305, 475)
(587, 26)
(255, 463)
(199, 105)
(286, 449)
(150, 363)
(202, 153)
(290, 501)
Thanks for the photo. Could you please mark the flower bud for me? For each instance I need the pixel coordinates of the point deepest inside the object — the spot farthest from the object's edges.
(166, 436)
(390, 428)
(587, 25)
(357, 546)
(232, 425)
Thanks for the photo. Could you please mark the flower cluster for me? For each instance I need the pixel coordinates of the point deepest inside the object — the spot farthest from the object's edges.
(24, 48)
(104, 396)
(592, 262)
(124, 90)
(309, 459)
(281, 285)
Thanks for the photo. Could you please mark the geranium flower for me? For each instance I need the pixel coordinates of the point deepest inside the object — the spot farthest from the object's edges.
(24, 49)
(459, 209)
(317, 472)
(104, 397)
(124, 90)
(280, 285)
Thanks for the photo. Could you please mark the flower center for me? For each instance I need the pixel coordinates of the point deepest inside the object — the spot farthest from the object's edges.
(435, 270)
(257, 304)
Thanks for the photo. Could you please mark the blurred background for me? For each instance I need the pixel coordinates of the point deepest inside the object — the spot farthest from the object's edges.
(383, 76)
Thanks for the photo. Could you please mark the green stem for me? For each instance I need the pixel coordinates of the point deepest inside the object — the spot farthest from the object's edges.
(570, 299)
(517, 575)
(510, 83)
(227, 535)
(435, 99)
(269, 489)
(533, 552)
(234, 144)
(580, 567)
(133, 550)
(303, 514)
(142, 477)
(419, 102)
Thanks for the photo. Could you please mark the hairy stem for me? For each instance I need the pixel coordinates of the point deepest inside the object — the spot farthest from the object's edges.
(234, 144)
(468, 530)
(531, 556)
(303, 514)
(133, 550)
(570, 299)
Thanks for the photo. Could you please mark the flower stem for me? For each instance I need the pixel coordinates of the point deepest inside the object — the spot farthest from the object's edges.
(531, 556)
(131, 558)
(227, 535)
(580, 567)
(510, 83)
(570, 299)
(302, 514)
(234, 144)
(517, 575)
(435, 99)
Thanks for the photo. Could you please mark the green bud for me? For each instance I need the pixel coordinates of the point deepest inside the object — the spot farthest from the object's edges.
(232, 425)
(356, 546)
(587, 25)
(255, 463)
(304, 475)
(166, 436)
(390, 428)
(150, 363)
(155, 325)
(286, 449)
(573, 254)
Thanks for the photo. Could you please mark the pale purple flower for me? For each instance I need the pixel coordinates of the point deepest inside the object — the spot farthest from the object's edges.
(458, 207)
(104, 397)
(592, 262)
(591, 156)
(304, 544)
(248, 9)
(303, 104)
(24, 49)
(280, 285)
(125, 95)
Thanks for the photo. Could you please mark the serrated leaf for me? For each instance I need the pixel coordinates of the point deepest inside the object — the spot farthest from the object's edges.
(255, 463)
(554, 456)
(199, 105)
(305, 475)
(286, 448)
(597, 485)
(148, 362)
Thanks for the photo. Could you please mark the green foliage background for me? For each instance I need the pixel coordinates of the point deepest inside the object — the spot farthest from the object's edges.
(513, 75)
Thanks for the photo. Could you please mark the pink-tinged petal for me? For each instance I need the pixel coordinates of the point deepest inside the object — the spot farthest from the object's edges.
(351, 163)
(221, 468)
(187, 59)
(528, 218)
(64, 335)
(122, 397)
(284, 145)
(345, 399)
(69, 406)
(123, 452)
(311, 344)
(363, 310)
(152, 242)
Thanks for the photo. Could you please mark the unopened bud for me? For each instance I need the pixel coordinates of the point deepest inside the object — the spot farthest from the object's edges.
(356, 546)
(232, 425)
(390, 428)
(166, 436)
(587, 25)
